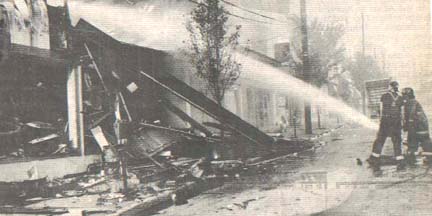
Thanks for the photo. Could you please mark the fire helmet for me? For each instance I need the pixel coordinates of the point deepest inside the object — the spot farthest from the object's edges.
(408, 92)
(394, 86)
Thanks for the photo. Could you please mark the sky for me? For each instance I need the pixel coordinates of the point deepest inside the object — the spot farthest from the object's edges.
(397, 33)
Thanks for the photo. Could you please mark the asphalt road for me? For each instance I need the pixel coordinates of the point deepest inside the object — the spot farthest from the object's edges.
(327, 182)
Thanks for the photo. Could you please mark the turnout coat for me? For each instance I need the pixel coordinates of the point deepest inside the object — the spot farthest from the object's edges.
(415, 119)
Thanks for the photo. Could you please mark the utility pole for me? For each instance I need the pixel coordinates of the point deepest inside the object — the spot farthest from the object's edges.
(363, 35)
(306, 66)
(363, 93)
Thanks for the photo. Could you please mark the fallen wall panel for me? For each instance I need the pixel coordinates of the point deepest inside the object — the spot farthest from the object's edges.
(200, 101)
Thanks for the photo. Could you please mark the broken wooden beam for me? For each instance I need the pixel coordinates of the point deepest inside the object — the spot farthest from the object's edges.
(100, 138)
(31, 211)
(97, 212)
(42, 139)
(96, 67)
(101, 119)
(186, 117)
(153, 160)
(125, 106)
(148, 156)
(178, 132)
(209, 107)
(168, 198)
(162, 148)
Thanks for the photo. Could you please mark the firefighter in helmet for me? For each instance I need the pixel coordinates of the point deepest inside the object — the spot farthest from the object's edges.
(416, 124)
(390, 126)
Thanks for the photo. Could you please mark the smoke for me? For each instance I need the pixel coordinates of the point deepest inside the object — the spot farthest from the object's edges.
(161, 25)
(154, 24)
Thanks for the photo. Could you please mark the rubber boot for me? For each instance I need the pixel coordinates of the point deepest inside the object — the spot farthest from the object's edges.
(374, 163)
(401, 165)
(427, 161)
(411, 159)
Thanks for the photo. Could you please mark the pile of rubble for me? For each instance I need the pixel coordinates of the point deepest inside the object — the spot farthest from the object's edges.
(145, 161)
(146, 178)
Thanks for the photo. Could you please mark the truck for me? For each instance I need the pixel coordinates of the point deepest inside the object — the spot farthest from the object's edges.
(374, 90)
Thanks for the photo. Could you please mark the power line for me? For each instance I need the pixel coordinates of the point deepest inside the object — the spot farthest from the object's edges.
(234, 15)
(250, 11)
(266, 39)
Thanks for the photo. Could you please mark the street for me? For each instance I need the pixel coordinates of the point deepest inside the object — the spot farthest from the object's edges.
(328, 182)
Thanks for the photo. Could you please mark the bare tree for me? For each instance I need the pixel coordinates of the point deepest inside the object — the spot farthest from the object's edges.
(212, 45)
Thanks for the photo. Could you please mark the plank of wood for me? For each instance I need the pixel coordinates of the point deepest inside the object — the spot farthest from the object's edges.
(186, 117)
(31, 211)
(42, 139)
(96, 67)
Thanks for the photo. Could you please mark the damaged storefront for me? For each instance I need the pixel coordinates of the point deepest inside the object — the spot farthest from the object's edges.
(35, 84)
(85, 115)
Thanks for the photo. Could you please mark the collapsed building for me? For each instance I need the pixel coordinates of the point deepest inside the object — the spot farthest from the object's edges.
(37, 91)
(73, 97)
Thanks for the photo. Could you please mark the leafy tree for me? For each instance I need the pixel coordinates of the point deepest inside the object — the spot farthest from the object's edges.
(212, 47)
(363, 68)
(212, 42)
(326, 51)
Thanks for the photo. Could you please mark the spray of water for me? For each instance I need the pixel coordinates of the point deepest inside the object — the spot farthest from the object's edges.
(269, 77)
(160, 25)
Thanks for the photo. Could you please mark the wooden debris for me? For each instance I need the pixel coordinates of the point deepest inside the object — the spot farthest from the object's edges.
(153, 160)
(271, 160)
(101, 119)
(92, 183)
(178, 132)
(132, 87)
(142, 167)
(31, 211)
(125, 106)
(42, 139)
(100, 138)
(96, 67)
(90, 212)
(184, 162)
(40, 125)
(186, 117)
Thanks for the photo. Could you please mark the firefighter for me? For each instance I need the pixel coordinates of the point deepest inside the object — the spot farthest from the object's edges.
(390, 126)
(416, 124)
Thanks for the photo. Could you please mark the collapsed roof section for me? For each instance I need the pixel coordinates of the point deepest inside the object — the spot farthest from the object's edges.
(118, 63)
(125, 64)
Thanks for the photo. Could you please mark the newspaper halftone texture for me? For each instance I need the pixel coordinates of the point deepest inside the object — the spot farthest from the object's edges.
(215, 107)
